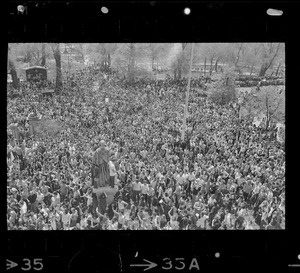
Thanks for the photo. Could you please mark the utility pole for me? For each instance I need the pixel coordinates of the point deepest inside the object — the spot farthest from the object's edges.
(187, 94)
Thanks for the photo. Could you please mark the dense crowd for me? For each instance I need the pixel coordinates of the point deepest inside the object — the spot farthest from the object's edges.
(226, 174)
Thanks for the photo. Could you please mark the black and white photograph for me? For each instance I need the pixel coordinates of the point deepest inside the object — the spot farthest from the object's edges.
(146, 136)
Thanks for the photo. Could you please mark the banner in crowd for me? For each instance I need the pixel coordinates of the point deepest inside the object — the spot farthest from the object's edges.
(11, 157)
(257, 121)
(15, 131)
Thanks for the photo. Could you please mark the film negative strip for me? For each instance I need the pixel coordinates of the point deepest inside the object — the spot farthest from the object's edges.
(142, 21)
(89, 22)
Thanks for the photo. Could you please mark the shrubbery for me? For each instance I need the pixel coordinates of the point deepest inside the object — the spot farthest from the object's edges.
(223, 90)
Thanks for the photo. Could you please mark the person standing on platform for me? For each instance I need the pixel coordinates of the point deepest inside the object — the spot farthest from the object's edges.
(112, 173)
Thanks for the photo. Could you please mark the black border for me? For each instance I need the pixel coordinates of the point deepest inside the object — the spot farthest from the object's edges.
(233, 21)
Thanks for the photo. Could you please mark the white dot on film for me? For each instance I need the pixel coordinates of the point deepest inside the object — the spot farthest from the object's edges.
(187, 11)
(217, 255)
(299, 257)
(274, 12)
(136, 254)
(104, 10)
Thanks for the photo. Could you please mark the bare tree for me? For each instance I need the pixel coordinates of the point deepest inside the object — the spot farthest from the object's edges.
(238, 56)
(43, 63)
(125, 59)
(12, 68)
(13, 73)
(277, 70)
(213, 52)
(102, 53)
(131, 63)
(211, 63)
(269, 57)
(216, 64)
(79, 48)
(251, 55)
(153, 54)
(269, 102)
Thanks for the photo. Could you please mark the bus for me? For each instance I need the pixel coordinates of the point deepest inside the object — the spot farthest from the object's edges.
(36, 73)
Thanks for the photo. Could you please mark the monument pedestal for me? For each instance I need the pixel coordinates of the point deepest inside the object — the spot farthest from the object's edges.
(107, 190)
(110, 192)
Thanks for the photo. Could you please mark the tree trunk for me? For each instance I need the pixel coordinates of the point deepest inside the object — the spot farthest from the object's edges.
(38, 58)
(108, 60)
(267, 123)
(131, 63)
(14, 75)
(183, 46)
(263, 70)
(205, 66)
(43, 63)
(238, 56)
(81, 52)
(216, 65)
(211, 65)
(179, 73)
(223, 98)
(251, 69)
(130, 71)
(57, 57)
(267, 116)
(15, 80)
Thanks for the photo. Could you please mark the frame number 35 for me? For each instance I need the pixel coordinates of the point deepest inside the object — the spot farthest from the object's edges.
(34, 264)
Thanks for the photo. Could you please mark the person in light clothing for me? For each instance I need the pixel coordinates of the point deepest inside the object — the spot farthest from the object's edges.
(112, 173)
(150, 195)
(144, 191)
(201, 221)
(136, 187)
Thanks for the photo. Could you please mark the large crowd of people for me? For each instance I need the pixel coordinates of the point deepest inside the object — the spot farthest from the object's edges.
(226, 174)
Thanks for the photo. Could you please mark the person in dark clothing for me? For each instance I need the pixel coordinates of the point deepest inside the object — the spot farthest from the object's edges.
(216, 223)
(32, 198)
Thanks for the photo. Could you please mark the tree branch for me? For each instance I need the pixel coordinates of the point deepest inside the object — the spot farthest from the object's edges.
(184, 46)
(238, 55)
(270, 63)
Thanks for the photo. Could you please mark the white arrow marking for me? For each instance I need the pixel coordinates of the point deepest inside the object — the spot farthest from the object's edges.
(150, 265)
(10, 264)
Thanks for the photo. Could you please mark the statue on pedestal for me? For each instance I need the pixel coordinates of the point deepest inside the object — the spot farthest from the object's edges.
(100, 166)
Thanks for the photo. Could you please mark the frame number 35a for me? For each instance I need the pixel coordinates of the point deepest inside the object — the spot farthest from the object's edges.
(180, 264)
(34, 264)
